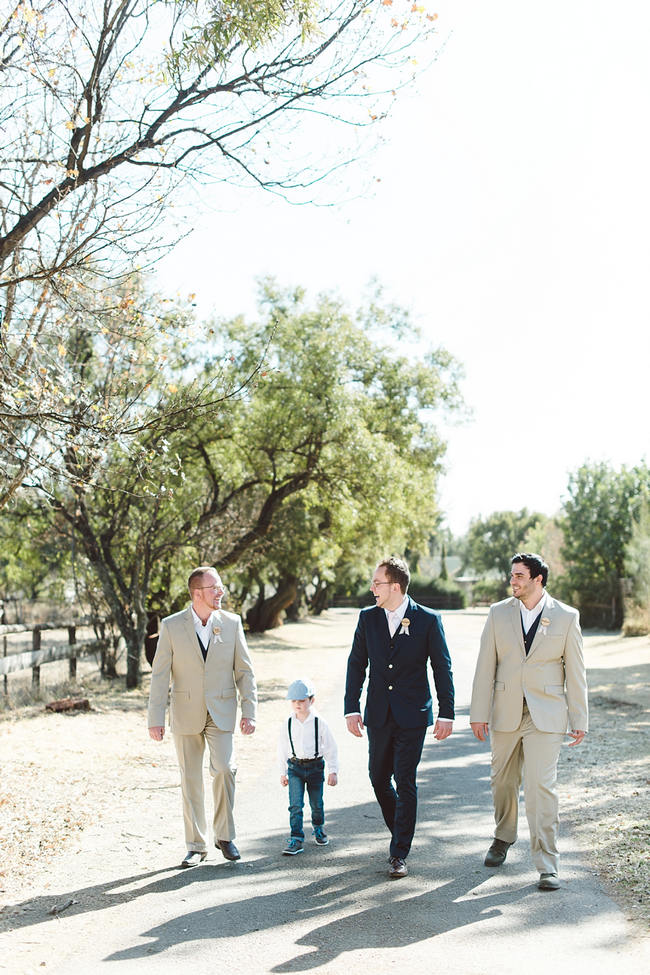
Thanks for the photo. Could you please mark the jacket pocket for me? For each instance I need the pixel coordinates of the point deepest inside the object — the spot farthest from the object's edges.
(554, 689)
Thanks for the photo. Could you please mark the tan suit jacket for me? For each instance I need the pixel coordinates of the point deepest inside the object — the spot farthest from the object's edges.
(199, 687)
(551, 678)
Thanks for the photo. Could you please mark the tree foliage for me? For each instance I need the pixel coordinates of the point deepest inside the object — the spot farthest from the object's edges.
(106, 109)
(599, 513)
(327, 457)
(332, 390)
(637, 567)
(492, 541)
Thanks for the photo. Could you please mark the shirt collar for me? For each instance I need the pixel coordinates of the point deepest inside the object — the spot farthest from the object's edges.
(537, 608)
(198, 622)
(401, 609)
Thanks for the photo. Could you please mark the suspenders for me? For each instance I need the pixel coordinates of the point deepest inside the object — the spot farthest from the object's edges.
(293, 750)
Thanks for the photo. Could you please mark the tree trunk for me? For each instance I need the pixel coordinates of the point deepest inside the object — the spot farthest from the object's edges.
(266, 614)
(320, 600)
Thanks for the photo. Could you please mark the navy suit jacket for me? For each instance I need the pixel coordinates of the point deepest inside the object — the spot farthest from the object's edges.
(398, 683)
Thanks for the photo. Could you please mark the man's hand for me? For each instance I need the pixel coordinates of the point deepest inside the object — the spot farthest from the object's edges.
(577, 737)
(284, 780)
(332, 778)
(442, 729)
(157, 733)
(355, 725)
(247, 726)
(480, 729)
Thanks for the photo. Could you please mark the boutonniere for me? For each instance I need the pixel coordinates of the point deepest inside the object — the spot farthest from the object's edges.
(545, 621)
(216, 630)
(405, 627)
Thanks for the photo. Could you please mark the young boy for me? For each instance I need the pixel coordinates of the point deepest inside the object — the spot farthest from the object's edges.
(305, 745)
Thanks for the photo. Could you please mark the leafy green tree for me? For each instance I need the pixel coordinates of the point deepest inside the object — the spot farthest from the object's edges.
(333, 419)
(547, 538)
(360, 409)
(637, 567)
(597, 520)
(492, 541)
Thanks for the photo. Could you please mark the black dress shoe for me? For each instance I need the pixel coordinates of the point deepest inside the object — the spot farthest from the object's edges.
(228, 849)
(193, 858)
(497, 853)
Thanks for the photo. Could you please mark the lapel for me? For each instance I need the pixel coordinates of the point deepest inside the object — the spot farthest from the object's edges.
(190, 632)
(547, 613)
(514, 613)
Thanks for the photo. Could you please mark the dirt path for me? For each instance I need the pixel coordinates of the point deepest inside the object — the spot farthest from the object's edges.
(90, 814)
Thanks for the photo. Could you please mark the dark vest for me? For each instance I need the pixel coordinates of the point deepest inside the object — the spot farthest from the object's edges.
(530, 636)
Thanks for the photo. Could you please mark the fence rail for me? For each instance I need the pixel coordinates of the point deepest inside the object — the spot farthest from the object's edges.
(60, 650)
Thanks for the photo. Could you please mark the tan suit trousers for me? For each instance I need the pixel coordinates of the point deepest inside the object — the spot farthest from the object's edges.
(535, 754)
(190, 749)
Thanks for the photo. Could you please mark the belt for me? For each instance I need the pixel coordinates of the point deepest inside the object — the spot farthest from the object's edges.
(305, 761)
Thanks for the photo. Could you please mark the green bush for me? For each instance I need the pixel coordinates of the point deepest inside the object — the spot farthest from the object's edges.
(434, 593)
(437, 593)
(489, 591)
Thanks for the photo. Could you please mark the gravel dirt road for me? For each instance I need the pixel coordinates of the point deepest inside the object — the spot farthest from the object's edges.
(91, 835)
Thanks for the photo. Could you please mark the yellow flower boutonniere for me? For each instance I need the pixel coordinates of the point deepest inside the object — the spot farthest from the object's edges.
(217, 634)
(545, 621)
(405, 627)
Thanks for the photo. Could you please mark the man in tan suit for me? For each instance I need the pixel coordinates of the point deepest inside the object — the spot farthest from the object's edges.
(203, 651)
(529, 688)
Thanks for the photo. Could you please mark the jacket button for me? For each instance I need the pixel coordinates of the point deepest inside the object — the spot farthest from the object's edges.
(390, 687)
(390, 666)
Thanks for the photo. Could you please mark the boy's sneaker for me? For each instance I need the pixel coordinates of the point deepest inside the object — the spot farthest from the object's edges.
(294, 845)
(320, 836)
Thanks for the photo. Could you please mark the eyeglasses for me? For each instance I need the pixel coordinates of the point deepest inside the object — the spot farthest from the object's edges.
(373, 584)
(212, 588)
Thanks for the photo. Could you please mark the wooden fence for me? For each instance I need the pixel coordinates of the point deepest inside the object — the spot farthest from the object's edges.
(59, 650)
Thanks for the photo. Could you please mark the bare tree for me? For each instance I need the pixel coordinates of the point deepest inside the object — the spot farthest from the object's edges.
(106, 108)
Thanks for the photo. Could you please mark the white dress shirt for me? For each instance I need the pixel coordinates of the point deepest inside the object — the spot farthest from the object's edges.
(395, 616)
(303, 734)
(528, 616)
(204, 633)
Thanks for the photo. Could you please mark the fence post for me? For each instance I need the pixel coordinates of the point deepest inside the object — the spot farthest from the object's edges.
(72, 639)
(4, 654)
(36, 670)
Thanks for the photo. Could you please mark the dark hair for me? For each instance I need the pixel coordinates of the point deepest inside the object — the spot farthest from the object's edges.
(397, 571)
(534, 563)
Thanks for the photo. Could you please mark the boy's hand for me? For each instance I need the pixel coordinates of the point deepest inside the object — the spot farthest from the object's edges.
(284, 780)
(332, 778)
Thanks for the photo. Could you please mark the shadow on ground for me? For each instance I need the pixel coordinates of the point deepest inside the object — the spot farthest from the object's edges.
(344, 894)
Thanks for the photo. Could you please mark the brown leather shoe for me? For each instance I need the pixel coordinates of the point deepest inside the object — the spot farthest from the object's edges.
(549, 881)
(497, 853)
(229, 849)
(397, 868)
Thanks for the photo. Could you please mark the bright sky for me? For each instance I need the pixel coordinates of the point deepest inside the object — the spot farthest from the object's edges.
(513, 219)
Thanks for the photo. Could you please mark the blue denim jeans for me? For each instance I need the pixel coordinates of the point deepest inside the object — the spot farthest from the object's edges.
(313, 777)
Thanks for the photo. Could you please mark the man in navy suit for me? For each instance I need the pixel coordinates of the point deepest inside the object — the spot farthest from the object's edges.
(397, 637)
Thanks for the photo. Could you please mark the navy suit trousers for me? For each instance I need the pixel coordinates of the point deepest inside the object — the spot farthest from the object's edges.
(394, 753)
